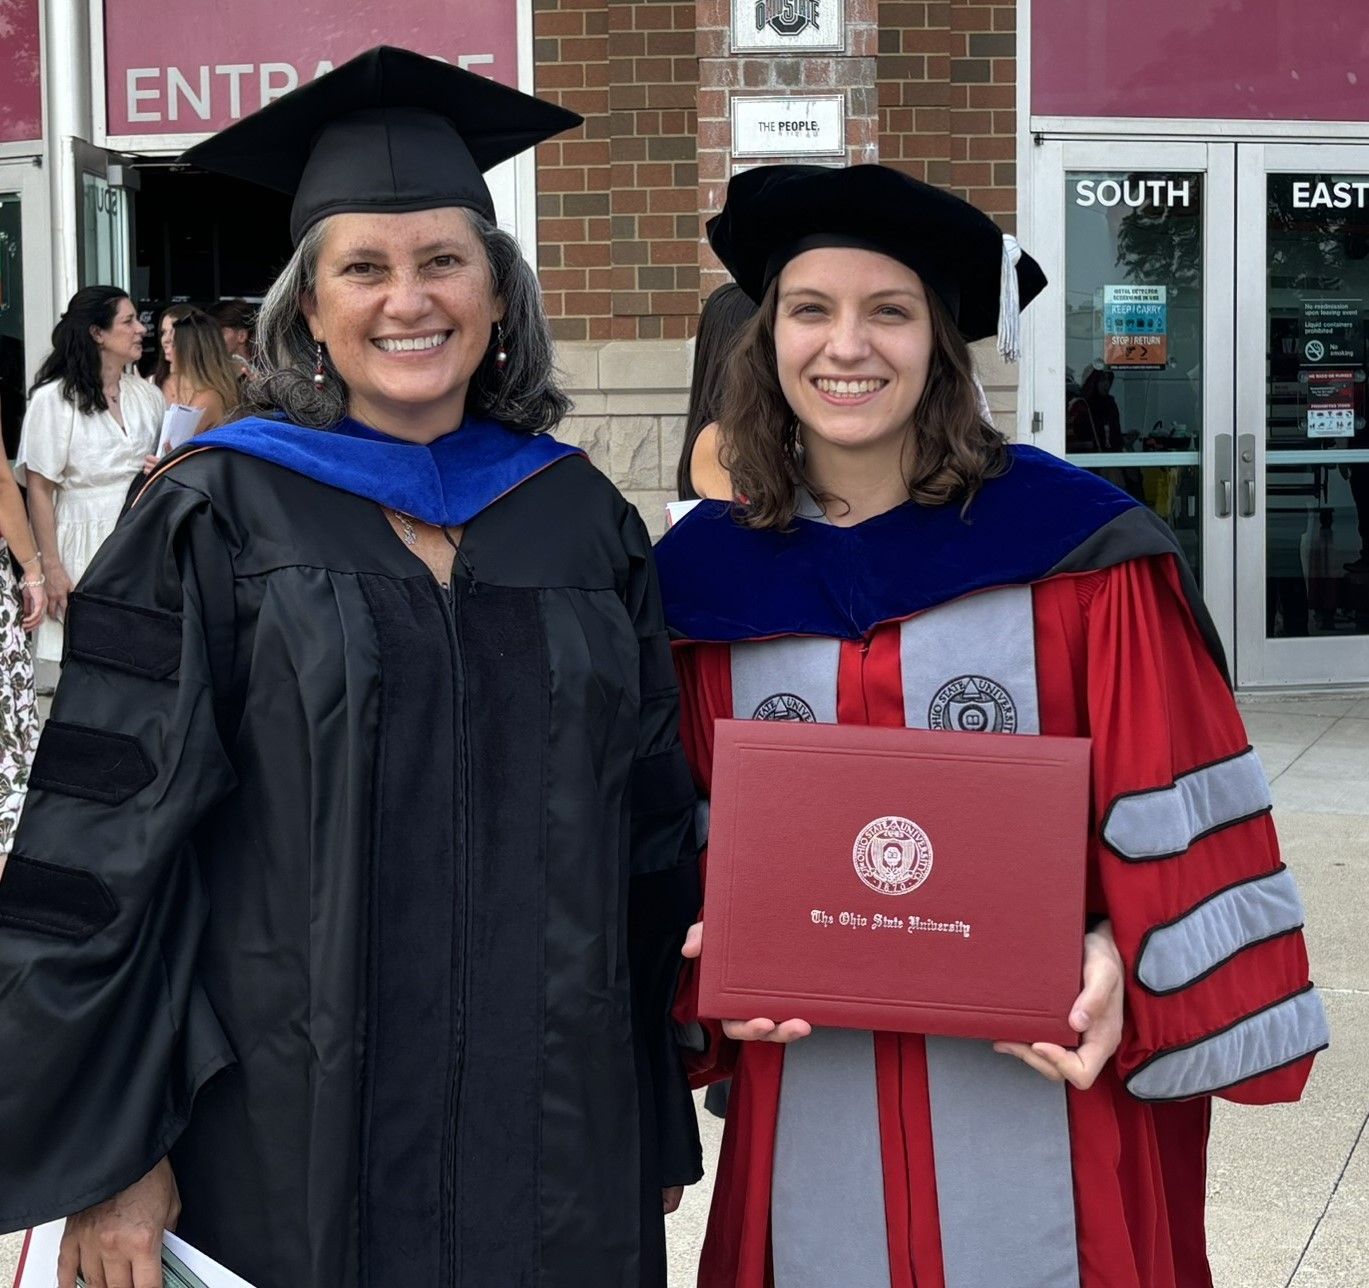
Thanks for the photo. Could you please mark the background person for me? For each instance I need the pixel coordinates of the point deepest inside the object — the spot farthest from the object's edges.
(700, 474)
(166, 354)
(892, 550)
(202, 375)
(22, 609)
(359, 850)
(88, 430)
(237, 318)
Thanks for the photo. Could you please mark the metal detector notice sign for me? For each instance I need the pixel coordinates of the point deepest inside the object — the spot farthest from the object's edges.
(1135, 327)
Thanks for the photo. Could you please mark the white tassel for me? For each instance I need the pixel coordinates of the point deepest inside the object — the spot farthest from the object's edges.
(1009, 302)
(981, 400)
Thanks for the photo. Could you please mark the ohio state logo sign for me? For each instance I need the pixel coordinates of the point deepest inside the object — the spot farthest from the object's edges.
(786, 17)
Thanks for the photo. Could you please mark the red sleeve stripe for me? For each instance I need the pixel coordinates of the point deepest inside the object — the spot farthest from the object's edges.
(1163, 822)
(1256, 1044)
(1180, 953)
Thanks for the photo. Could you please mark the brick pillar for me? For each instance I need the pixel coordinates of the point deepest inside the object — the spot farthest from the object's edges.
(570, 42)
(947, 97)
(652, 79)
(915, 88)
(723, 74)
(984, 107)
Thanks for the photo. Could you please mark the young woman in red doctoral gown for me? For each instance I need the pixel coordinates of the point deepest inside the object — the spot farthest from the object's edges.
(896, 562)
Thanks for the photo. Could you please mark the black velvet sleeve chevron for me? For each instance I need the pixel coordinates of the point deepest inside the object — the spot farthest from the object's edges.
(50, 899)
(128, 637)
(102, 905)
(93, 764)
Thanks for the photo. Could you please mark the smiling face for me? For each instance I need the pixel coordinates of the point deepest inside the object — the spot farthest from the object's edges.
(853, 346)
(166, 335)
(405, 305)
(123, 339)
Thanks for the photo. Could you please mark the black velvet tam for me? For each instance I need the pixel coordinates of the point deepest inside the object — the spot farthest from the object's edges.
(390, 131)
(774, 213)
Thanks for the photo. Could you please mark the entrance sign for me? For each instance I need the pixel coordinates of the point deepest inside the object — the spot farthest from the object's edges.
(173, 71)
(1135, 327)
(787, 26)
(778, 126)
(1330, 402)
(21, 74)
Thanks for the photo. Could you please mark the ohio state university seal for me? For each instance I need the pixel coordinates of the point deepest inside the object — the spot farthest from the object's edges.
(973, 704)
(892, 855)
(785, 706)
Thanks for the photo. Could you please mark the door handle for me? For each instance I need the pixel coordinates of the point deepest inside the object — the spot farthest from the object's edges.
(1245, 469)
(1222, 466)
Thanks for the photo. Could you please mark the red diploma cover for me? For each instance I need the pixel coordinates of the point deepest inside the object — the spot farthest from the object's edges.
(897, 879)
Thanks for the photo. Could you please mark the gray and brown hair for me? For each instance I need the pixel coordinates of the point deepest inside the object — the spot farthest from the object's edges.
(526, 395)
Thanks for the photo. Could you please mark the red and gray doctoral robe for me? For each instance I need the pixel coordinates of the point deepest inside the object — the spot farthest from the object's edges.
(1055, 605)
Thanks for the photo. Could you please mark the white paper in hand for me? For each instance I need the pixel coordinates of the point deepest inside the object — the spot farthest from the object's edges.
(182, 1265)
(676, 510)
(179, 424)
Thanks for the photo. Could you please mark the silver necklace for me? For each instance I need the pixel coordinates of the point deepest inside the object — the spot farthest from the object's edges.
(407, 529)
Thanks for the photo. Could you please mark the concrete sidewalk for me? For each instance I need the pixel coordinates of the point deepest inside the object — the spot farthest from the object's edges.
(1288, 1185)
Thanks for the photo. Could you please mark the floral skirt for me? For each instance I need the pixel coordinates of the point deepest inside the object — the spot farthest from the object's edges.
(18, 707)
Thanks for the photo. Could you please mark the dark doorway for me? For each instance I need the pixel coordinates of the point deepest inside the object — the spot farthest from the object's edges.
(202, 238)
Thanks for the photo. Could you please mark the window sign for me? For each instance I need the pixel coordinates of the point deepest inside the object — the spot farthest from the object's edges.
(1330, 402)
(1331, 332)
(1135, 327)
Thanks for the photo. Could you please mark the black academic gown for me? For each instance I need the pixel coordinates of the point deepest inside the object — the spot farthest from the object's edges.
(361, 896)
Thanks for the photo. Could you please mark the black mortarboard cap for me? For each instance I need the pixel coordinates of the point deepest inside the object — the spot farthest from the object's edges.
(773, 213)
(390, 131)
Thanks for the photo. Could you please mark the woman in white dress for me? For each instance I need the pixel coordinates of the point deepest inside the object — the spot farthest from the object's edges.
(89, 428)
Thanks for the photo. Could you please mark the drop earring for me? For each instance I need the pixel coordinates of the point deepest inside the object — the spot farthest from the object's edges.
(319, 377)
(501, 357)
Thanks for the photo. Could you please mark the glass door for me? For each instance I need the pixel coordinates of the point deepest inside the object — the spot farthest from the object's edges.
(1133, 345)
(1302, 421)
(25, 289)
(104, 249)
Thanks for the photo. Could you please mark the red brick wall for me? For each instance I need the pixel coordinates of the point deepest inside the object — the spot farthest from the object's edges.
(653, 72)
(947, 94)
(617, 199)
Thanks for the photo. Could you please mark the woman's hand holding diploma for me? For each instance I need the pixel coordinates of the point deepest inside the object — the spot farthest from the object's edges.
(757, 1030)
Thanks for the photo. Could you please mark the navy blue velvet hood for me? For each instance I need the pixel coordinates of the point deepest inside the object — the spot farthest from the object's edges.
(723, 582)
(446, 482)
